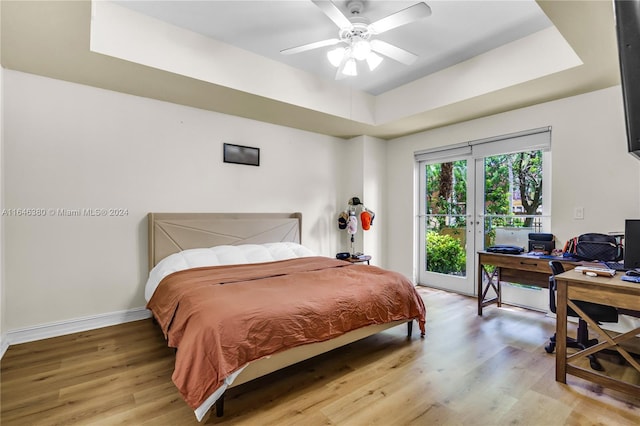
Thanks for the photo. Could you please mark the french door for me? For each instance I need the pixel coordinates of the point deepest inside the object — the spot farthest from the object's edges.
(447, 224)
(479, 194)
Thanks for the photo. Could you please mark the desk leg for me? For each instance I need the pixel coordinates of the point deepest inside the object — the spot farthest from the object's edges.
(493, 281)
(498, 286)
(561, 332)
(479, 293)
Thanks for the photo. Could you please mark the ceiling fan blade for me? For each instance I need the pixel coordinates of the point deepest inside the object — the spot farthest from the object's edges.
(310, 46)
(332, 11)
(405, 16)
(393, 52)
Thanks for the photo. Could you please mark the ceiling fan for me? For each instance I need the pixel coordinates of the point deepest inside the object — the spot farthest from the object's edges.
(356, 37)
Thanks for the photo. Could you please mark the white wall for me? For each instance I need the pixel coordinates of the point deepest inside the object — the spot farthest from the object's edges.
(69, 146)
(374, 193)
(590, 168)
(3, 335)
(364, 161)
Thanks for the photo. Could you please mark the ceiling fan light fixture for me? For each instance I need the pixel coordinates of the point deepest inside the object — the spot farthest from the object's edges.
(373, 60)
(350, 68)
(335, 56)
(360, 49)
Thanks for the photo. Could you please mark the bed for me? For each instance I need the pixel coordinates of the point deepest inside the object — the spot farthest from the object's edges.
(239, 297)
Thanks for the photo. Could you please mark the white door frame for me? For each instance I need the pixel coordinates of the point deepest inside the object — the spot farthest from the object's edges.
(475, 152)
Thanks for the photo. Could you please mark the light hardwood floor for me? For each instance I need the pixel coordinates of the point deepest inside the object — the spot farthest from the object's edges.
(469, 370)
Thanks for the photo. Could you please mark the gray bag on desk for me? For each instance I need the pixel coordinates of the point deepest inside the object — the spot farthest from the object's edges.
(598, 247)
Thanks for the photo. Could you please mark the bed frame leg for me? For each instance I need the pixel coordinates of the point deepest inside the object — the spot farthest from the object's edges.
(220, 406)
(409, 328)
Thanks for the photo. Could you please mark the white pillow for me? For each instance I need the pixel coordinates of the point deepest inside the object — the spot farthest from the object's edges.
(222, 255)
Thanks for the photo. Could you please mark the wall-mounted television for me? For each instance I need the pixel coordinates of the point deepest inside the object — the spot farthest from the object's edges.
(627, 14)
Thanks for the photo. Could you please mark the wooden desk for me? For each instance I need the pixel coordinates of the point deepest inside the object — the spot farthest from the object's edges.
(573, 285)
(517, 268)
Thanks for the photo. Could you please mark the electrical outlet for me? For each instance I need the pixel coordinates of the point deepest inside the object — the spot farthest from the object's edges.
(578, 213)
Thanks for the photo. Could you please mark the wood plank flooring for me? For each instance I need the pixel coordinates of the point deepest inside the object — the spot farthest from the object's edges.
(469, 370)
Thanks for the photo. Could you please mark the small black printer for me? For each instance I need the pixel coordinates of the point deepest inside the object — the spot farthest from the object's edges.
(541, 243)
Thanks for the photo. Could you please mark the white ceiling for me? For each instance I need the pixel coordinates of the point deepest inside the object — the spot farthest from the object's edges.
(456, 31)
(54, 39)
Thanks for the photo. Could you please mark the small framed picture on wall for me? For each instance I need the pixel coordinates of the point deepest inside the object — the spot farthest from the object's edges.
(240, 154)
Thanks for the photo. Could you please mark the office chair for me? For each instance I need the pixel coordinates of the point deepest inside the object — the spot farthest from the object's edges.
(597, 312)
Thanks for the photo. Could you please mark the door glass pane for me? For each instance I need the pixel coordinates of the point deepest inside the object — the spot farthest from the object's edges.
(445, 219)
(513, 198)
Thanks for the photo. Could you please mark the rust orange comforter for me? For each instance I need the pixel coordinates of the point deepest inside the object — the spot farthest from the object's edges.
(222, 317)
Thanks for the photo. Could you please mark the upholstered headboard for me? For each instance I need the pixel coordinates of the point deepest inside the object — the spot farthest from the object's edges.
(173, 232)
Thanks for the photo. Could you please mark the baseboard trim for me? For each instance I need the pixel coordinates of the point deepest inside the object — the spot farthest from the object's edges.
(55, 329)
(4, 345)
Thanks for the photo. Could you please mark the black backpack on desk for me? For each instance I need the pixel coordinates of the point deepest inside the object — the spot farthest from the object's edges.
(605, 248)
